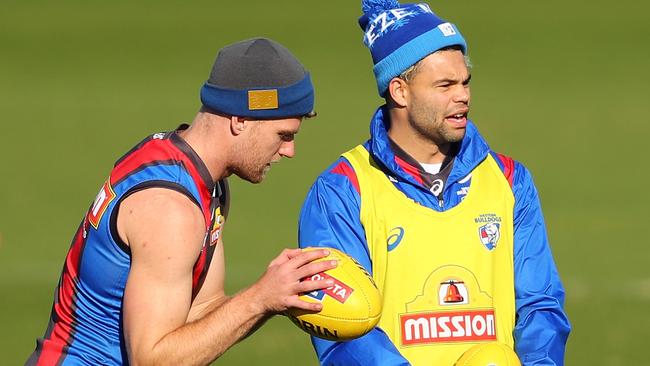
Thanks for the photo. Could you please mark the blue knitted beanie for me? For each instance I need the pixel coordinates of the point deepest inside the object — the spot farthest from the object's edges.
(399, 36)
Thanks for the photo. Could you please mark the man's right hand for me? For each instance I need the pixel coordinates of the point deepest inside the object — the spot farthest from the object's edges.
(281, 285)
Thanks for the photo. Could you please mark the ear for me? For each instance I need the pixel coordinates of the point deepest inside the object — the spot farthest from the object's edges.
(237, 125)
(398, 91)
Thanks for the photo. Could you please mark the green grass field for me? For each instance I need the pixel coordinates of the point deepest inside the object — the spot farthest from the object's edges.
(561, 86)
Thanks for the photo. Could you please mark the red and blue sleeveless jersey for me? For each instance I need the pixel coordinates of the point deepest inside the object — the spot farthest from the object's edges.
(85, 326)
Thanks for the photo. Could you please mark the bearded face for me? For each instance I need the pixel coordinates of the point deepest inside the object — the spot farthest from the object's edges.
(438, 97)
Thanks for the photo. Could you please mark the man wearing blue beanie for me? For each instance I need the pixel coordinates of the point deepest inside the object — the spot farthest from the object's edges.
(143, 281)
(451, 231)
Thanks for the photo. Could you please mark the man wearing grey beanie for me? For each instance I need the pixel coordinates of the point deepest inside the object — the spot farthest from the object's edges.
(452, 232)
(143, 281)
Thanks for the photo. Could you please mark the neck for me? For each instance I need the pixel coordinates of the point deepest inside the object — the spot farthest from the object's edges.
(205, 129)
(420, 147)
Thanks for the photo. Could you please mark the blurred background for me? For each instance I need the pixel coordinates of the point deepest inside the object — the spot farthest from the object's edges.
(561, 86)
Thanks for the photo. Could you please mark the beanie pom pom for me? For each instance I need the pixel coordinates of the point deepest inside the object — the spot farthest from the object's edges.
(376, 6)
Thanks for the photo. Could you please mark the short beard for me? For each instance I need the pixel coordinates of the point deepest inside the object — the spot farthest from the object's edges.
(423, 121)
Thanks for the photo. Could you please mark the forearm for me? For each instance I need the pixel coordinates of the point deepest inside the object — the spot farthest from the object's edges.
(161, 326)
(203, 340)
(199, 310)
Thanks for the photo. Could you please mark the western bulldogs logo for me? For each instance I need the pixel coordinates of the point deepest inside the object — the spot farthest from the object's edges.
(489, 235)
(217, 225)
(489, 232)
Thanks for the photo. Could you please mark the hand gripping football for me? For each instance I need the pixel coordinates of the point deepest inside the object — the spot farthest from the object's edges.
(351, 308)
(489, 354)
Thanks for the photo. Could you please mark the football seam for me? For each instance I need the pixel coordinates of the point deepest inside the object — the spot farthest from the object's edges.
(475, 355)
(368, 317)
(340, 318)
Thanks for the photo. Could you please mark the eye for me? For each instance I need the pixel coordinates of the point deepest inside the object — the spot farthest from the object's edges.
(443, 85)
(287, 137)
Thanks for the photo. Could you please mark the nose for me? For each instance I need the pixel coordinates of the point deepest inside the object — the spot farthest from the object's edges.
(287, 149)
(462, 94)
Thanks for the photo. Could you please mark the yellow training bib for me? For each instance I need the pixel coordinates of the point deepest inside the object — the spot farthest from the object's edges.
(446, 278)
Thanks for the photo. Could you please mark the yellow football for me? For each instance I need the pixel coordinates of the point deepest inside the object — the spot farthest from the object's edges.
(351, 307)
(489, 354)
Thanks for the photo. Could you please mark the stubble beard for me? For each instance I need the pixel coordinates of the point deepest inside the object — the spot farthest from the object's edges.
(430, 125)
(249, 176)
(251, 168)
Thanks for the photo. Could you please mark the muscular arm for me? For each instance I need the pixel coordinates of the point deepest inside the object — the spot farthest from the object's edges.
(165, 231)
